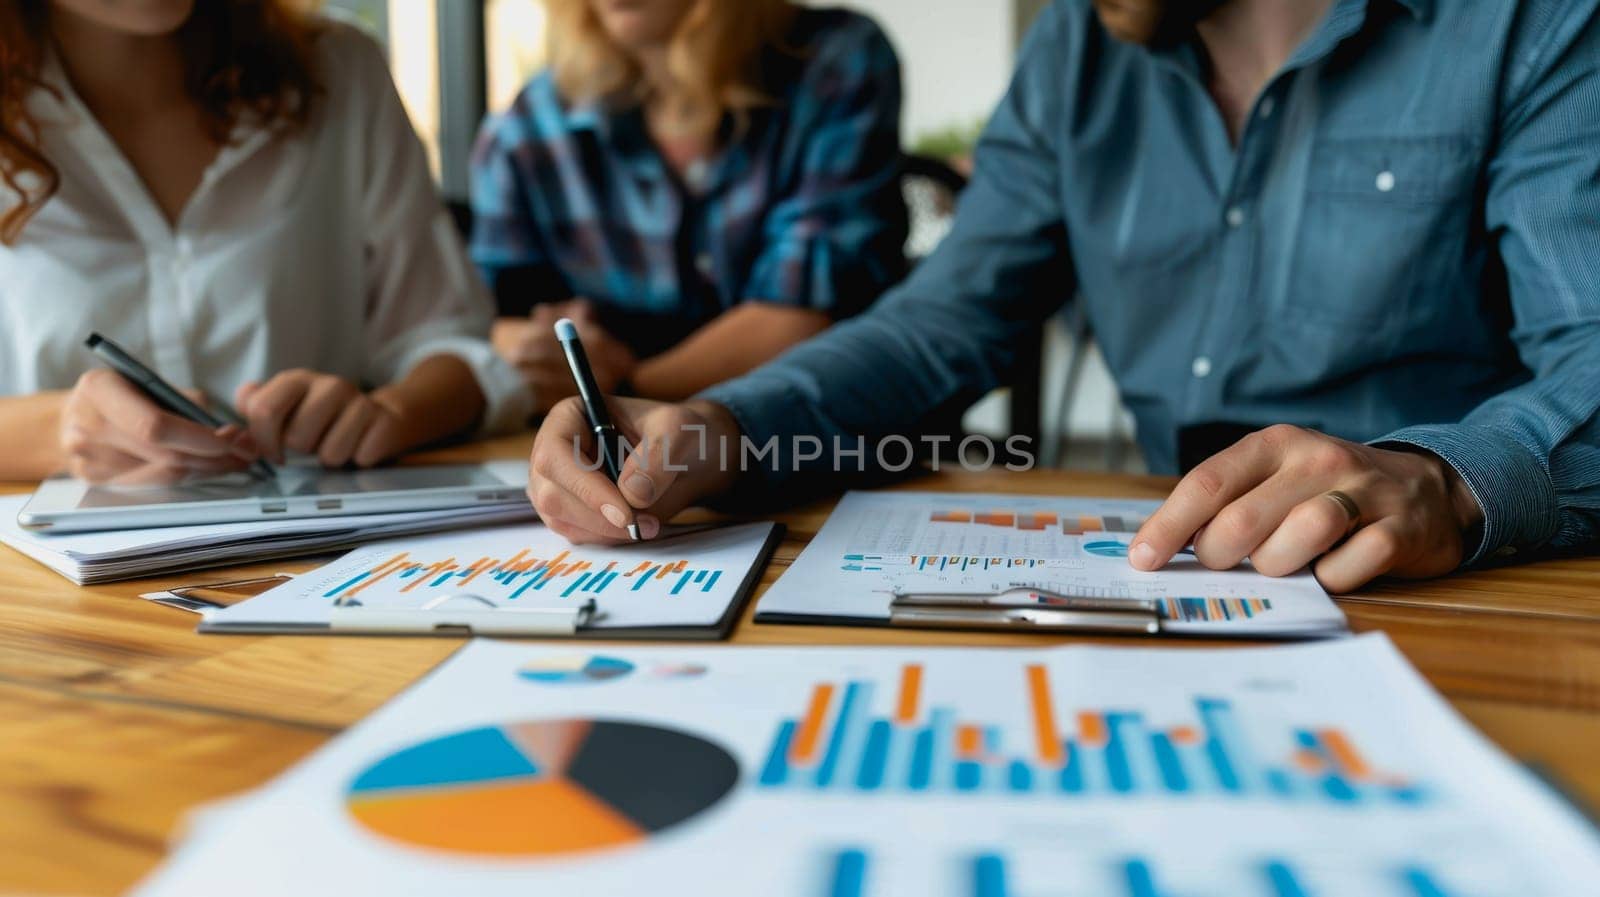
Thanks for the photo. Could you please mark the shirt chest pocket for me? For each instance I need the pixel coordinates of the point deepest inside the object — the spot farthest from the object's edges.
(1384, 231)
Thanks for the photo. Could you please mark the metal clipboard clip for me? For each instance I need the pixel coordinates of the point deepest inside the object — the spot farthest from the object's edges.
(1025, 608)
(210, 596)
(486, 618)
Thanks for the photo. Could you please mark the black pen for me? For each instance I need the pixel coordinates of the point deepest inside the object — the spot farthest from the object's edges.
(606, 437)
(160, 391)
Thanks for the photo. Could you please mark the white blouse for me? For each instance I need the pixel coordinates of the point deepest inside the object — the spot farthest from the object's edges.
(323, 248)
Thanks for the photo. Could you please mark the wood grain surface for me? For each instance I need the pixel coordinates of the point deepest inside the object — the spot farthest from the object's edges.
(117, 719)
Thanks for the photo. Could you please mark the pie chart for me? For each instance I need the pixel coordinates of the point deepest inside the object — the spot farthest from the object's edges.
(575, 670)
(541, 789)
(1107, 548)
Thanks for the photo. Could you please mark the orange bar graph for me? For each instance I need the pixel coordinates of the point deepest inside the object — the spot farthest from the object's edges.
(969, 741)
(1092, 726)
(951, 517)
(433, 570)
(995, 518)
(1044, 716)
(810, 734)
(1345, 754)
(478, 566)
(1184, 735)
(910, 694)
(1090, 525)
(380, 572)
(1308, 761)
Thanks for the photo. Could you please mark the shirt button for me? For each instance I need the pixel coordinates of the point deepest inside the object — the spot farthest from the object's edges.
(698, 174)
(1235, 216)
(705, 264)
(1385, 181)
(1201, 367)
(1265, 107)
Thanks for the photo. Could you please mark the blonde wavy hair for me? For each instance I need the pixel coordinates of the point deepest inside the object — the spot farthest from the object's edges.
(714, 59)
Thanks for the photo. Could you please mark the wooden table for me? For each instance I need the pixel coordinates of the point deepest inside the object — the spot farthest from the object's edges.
(116, 718)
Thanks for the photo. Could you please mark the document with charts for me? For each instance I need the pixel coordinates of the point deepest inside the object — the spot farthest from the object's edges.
(1327, 769)
(691, 585)
(877, 543)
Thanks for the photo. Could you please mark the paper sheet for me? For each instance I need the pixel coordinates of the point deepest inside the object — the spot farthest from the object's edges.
(688, 580)
(877, 542)
(1320, 770)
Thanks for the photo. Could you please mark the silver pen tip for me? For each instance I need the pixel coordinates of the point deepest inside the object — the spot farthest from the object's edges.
(633, 531)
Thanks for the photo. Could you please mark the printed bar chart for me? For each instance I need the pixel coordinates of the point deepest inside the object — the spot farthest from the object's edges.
(838, 745)
(926, 563)
(1212, 609)
(1037, 521)
(850, 874)
(564, 574)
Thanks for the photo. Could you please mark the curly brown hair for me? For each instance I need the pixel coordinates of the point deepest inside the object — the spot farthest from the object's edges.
(241, 57)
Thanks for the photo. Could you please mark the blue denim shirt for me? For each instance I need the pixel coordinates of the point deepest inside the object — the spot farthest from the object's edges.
(1403, 247)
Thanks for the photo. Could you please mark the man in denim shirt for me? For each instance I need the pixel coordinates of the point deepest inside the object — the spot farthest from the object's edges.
(1367, 229)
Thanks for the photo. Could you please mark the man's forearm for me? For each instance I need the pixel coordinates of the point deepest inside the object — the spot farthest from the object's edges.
(30, 448)
(735, 343)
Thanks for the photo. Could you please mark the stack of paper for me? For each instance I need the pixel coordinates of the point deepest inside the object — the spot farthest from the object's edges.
(90, 558)
(1320, 770)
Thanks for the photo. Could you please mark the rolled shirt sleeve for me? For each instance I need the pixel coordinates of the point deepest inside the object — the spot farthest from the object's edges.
(423, 298)
(836, 234)
(1531, 455)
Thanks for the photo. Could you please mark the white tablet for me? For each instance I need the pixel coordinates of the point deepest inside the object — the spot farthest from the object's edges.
(65, 505)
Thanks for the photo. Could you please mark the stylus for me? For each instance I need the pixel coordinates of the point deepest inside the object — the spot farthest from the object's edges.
(607, 439)
(160, 391)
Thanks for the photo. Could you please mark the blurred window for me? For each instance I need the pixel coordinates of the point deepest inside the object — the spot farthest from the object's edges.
(451, 59)
(514, 49)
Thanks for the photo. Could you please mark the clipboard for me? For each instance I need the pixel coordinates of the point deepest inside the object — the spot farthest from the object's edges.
(460, 613)
(1026, 609)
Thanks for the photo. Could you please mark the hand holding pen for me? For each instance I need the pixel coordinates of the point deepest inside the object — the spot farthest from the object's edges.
(608, 442)
(678, 462)
(124, 423)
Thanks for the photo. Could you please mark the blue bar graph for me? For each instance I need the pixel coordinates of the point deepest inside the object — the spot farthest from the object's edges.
(846, 742)
(522, 573)
(849, 876)
(850, 873)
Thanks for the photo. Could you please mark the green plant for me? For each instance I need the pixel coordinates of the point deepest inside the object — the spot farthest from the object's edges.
(953, 142)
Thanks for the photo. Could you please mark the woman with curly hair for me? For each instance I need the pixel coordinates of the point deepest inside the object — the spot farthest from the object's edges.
(231, 190)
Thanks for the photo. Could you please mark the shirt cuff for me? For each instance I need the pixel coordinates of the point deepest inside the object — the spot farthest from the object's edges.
(1510, 484)
(760, 410)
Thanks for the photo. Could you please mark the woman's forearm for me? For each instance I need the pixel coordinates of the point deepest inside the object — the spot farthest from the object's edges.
(736, 342)
(438, 399)
(30, 445)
